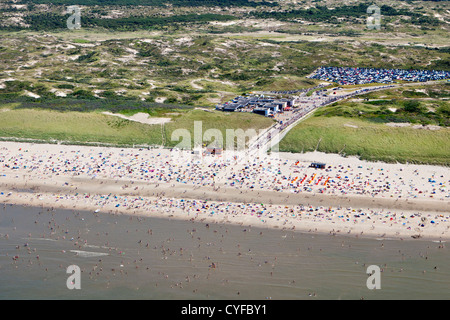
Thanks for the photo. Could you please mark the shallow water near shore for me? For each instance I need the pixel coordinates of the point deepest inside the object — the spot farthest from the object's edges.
(125, 257)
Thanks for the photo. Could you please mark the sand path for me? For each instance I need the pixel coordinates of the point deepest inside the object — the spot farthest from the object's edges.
(140, 117)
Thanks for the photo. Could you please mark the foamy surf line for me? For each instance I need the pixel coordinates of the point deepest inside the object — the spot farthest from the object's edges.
(89, 254)
(40, 239)
(99, 247)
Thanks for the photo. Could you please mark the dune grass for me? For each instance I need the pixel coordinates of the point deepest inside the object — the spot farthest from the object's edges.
(216, 120)
(369, 141)
(94, 127)
(77, 127)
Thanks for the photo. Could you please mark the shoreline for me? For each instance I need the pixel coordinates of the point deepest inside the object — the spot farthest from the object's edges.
(306, 227)
(142, 189)
(397, 201)
(302, 223)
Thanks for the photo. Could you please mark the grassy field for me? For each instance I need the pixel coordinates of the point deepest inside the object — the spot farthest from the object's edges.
(369, 141)
(94, 127)
(77, 127)
(415, 111)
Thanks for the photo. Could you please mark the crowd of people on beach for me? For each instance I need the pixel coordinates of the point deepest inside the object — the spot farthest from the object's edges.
(162, 167)
(280, 175)
(259, 214)
(351, 76)
(271, 173)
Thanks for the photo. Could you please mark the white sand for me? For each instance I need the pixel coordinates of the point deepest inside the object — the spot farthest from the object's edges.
(160, 99)
(398, 124)
(141, 117)
(31, 94)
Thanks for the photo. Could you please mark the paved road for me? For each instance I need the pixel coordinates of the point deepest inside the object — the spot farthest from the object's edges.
(290, 119)
(270, 138)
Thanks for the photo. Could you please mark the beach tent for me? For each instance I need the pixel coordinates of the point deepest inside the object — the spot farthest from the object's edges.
(214, 150)
(317, 165)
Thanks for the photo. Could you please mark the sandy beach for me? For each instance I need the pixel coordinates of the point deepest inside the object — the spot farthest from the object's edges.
(349, 196)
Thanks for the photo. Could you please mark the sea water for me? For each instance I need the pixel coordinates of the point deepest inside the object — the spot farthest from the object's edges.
(131, 257)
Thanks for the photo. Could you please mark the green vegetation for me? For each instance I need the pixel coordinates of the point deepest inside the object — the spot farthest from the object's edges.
(325, 14)
(160, 14)
(403, 124)
(198, 70)
(369, 141)
(426, 112)
(157, 3)
(217, 120)
(76, 127)
(87, 105)
(52, 21)
(166, 57)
